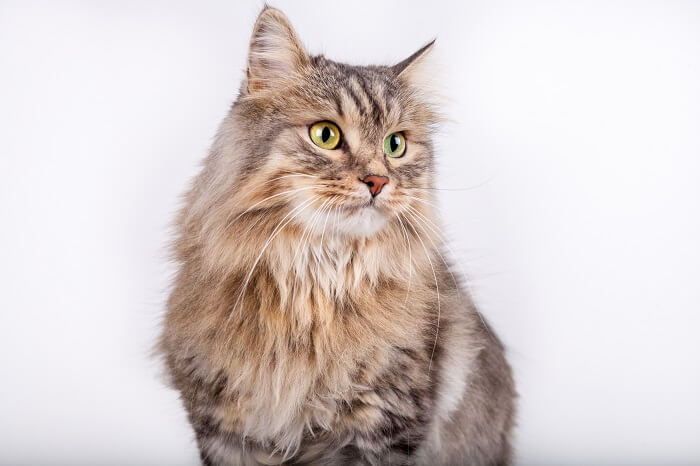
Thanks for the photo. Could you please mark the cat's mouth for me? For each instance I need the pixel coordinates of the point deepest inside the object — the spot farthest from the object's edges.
(370, 209)
(359, 206)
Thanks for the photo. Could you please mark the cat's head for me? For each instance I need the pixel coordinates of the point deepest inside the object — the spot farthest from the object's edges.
(346, 149)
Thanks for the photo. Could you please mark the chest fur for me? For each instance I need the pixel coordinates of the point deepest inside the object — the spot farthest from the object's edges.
(325, 345)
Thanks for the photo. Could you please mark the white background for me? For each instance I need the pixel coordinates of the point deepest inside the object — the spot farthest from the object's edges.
(574, 125)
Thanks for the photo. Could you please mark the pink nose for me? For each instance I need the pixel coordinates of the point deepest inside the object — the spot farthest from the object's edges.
(375, 183)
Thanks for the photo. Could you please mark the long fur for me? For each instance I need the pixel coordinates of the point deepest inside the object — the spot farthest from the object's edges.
(310, 323)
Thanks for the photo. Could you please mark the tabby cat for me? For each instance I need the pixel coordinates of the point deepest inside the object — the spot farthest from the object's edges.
(314, 319)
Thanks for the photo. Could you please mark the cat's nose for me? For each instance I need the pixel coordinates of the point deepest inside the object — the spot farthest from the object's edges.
(375, 183)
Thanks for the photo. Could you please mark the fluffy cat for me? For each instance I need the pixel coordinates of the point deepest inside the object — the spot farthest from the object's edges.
(314, 319)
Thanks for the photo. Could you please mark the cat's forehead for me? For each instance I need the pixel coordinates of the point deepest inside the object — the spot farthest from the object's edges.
(368, 96)
(377, 75)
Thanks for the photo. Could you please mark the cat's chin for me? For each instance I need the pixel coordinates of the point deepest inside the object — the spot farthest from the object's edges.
(354, 220)
(366, 221)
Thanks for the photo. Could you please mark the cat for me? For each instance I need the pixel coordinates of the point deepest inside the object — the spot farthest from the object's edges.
(314, 319)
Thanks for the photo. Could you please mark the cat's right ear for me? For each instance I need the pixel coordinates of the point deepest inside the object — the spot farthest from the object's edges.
(275, 53)
(415, 61)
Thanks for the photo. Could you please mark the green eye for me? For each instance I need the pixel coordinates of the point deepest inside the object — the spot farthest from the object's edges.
(325, 135)
(395, 145)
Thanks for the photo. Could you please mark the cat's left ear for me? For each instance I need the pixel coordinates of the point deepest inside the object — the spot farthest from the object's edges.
(275, 53)
(415, 65)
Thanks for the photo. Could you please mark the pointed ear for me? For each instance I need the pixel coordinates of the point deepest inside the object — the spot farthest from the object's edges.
(412, 65)
(275, 53)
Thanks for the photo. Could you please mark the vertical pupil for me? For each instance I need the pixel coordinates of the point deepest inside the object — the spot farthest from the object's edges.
(394, 143)
(325, 134)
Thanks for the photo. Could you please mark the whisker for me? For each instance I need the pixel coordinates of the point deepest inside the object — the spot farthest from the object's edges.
(468, 188)
(410, 258)
(323, 233)
(326, 221)
(419, 199)
(291, 191)
(435, 229)
(337, 218)
(300, 208)
(255, 223)
(308, 229)
(437, 291)
(446, 189)
(252, 225)
(427, 222)
(291, 174)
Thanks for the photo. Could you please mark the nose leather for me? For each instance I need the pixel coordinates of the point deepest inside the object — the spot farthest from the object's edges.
(375, 183)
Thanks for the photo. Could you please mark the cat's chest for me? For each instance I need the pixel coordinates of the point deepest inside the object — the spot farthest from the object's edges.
(331, 268)
(319, 341)
(374, 394)
(340, 368)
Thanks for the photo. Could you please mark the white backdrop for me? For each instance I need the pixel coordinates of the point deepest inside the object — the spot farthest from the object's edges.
(574, 125)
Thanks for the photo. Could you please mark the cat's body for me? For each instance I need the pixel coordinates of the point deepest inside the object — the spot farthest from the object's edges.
(312, 322)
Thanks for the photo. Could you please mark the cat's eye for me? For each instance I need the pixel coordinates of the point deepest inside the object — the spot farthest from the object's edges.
(325, 135)
(395, 145)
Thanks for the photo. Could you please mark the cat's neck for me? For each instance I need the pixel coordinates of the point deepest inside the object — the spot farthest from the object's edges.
(325, 266)
(337, 264)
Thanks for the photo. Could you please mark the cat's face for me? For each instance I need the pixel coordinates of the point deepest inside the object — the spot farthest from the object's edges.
(348, 148)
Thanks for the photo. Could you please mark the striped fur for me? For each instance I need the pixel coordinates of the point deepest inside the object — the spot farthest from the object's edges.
(309, 324)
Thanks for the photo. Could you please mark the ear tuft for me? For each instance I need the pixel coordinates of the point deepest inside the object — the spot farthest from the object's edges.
(275, 53)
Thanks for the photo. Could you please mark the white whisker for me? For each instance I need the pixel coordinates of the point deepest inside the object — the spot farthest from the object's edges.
(291, 191)
(326, 206)
(260, 218)
(435, 230)
(323, 232)
(337, 219)
(426, 221)
(290, 176)
(410, 258)
(309, 227)
(326, 221)
(419, 199)
(300, 208)
(468, 188)
(437, 291)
